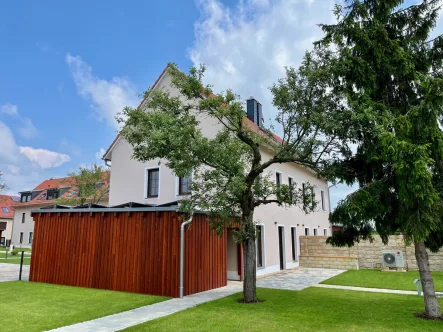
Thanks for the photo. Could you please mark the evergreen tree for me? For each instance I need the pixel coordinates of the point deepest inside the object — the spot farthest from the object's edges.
(389, 72)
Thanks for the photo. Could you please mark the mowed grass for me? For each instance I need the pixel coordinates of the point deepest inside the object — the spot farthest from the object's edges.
(313, 309)
(29, 306)
(14, 259)
(383, 279)
(19, 249)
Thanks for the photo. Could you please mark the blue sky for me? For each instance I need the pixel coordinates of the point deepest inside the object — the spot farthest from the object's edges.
(66, 68)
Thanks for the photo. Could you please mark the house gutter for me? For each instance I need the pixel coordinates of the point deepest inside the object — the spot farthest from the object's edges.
(182, 252)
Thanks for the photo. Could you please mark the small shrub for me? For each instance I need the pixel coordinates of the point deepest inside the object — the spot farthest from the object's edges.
(14, 252)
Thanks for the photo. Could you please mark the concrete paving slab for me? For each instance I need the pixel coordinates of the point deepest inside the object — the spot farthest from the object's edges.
(10, 272)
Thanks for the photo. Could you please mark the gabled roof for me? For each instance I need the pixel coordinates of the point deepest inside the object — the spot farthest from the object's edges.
(40, 192)
(6, 209)
(250, 124)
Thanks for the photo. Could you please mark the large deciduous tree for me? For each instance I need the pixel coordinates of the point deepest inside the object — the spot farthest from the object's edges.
(91, 184)
(389, 72)
(230, 175)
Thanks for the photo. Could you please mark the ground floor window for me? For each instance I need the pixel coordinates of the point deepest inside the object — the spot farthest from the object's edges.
(315, 231)
(31, 234)
(2, 241)
(325, 231)
(306, 231)
(259, 242)
(21, 237)
(294, 243)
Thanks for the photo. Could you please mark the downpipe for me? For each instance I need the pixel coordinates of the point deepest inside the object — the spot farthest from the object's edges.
(182, 252)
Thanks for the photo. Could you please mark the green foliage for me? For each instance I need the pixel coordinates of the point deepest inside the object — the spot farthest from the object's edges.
(388, 74)
(91, 184)
(14, 252)
(229, 176)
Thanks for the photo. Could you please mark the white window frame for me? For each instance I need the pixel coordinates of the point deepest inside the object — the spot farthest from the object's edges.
(30, 237)
(23, 217)
(263, 246)
(146, 182)
(177, 183)
(307, 228)
(323, 203)
(325, 232)
(315, 231)
(294, 245)
(292, 178)
(21, 237)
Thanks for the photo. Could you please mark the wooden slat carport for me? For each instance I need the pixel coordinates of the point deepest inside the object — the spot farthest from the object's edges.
(133, 251)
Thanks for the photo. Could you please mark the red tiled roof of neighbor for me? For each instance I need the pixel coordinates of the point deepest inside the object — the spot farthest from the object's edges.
(6, 202)
(53, 184)
(253, 126)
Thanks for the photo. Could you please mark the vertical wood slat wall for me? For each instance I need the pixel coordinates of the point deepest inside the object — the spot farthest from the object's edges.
(127, 251)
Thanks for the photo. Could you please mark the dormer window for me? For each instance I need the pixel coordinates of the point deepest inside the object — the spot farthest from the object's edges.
(26, 197)
(52, 194)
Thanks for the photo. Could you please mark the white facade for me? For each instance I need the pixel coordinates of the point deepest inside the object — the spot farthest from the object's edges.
(129, 184)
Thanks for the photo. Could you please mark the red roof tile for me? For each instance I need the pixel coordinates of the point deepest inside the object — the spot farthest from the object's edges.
(50, 184)
(6, 202)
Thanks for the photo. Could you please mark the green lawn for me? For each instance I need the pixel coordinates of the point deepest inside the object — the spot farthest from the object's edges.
(29, 306)
(313, 309)
(14, 259)
(19, 249)
(383, 279)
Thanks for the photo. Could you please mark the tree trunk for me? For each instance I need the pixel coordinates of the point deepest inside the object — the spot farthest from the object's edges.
(250, 265)
(249, 250)
(432, 308)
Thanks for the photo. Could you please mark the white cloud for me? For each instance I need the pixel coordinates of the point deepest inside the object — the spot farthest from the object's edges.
(107, 97)
(44, 158)
(99, 154)
(246, 48)
(27, 128)
(9, 109)
(13, 163)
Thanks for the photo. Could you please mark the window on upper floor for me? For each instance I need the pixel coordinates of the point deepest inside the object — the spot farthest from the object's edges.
(153, 183)
(290, 181)
(23, 217)
(278, 179)
(26, 197)
(325, 231)
(306, 231)
(184, 185)
(5, 209)
(323, 205)
(315, 231)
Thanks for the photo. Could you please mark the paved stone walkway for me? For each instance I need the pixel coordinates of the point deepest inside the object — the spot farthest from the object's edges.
(10, 272)
(289, 279)
(297, 279)
(373, 290)
(137, 316)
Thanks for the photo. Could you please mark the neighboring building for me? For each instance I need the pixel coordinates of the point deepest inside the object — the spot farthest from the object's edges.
(45, 194)
(279, 228)
(6, 219)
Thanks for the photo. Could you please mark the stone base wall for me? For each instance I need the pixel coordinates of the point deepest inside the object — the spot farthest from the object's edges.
(314, 252)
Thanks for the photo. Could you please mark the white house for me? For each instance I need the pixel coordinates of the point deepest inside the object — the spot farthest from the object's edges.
(279, 228)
